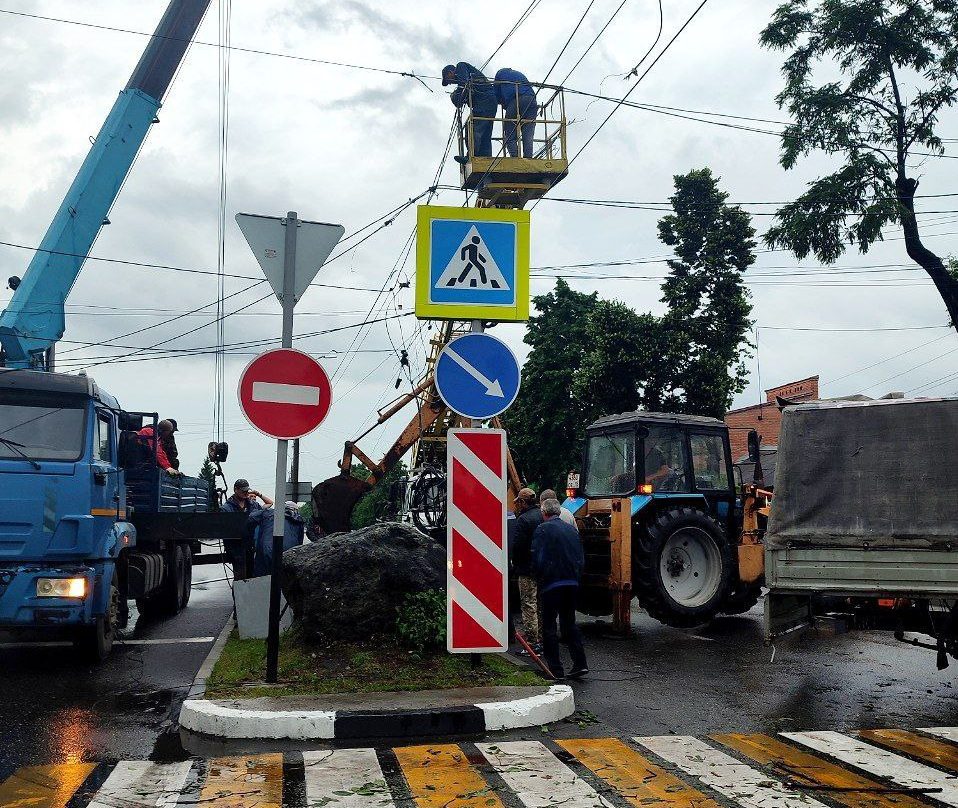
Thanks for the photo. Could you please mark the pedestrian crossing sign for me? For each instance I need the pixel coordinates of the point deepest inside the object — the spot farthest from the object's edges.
(472, 264)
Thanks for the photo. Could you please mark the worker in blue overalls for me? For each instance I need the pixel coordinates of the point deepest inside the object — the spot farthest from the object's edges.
(474, 89)
(518, 99)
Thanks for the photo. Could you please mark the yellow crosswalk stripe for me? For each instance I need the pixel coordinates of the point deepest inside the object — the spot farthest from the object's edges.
(931, 750)
(244, 782)
(43, 786)
(818, 776)
(441, 776)
(637, 779)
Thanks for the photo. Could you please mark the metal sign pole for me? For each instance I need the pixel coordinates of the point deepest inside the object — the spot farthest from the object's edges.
(279, 506)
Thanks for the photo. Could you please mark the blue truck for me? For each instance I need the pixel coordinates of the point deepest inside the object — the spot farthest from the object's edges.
(88, 521)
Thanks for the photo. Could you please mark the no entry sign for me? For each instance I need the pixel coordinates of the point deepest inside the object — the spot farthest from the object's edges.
(477, 552)
(285, 393)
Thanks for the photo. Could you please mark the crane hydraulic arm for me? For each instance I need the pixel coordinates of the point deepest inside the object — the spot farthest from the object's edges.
(34, 320)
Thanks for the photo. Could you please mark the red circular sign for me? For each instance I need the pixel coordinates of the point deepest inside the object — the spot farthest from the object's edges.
(285, 393)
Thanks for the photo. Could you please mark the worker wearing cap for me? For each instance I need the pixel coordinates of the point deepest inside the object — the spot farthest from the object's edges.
(528, 519)
(244, 499)
(168, 442)
(474, 89)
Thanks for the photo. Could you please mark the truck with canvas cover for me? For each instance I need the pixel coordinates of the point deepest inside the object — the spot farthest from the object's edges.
(88, 520)
(864, 524)
(661, 518)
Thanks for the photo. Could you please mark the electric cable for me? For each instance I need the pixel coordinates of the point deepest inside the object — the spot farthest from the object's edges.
(598, 36)
(256, 51)
(522, 18)
(568, 41)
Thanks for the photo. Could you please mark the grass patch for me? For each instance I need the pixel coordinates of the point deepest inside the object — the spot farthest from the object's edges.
(367, 667)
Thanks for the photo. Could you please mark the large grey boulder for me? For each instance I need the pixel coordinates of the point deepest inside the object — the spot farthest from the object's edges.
(347, 586)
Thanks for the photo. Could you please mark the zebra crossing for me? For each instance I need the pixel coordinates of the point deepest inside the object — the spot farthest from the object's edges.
(881, 768)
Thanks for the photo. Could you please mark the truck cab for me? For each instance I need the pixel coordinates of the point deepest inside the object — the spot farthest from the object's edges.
(73, 549)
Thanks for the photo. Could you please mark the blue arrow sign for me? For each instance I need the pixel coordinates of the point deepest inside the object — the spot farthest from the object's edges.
(477, 376)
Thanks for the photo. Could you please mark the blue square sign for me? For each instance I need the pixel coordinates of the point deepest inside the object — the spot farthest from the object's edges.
(472, 263)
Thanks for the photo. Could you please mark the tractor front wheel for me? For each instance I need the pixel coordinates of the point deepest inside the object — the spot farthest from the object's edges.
(682, 568)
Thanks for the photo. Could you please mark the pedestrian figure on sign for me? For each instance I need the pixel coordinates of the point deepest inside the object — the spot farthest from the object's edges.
(474, 260)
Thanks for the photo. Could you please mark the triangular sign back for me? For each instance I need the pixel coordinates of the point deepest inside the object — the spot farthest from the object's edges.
(266, 236)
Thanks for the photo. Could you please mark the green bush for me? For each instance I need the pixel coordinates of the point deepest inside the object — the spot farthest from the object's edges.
(421, 622)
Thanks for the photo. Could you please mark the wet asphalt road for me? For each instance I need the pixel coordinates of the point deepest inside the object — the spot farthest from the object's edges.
(721, 678)
(54, 708)
(718, 678)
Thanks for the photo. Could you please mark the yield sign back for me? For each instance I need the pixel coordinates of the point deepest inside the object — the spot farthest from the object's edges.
(285, 393)
(267, 239)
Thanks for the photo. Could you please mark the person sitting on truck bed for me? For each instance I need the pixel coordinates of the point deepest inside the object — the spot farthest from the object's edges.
(244, 499)
(156, 449)
(169, 445)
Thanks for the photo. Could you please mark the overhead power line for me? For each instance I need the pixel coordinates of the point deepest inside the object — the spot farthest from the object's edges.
(235, 48)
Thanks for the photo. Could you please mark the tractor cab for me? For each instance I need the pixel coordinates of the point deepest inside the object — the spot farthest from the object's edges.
(498, 166)
(649, 457)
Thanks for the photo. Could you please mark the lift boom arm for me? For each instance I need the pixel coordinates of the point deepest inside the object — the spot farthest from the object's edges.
(34, 320)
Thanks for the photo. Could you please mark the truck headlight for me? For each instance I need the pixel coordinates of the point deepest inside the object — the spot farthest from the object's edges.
(61, 587)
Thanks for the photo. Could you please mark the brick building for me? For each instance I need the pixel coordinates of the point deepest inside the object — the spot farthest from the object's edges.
(766, 418)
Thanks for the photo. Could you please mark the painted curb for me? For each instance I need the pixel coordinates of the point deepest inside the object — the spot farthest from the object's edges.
(223, 721)
(198, 687)
(553, 705)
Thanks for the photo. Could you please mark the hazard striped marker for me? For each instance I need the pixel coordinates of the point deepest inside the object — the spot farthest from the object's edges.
(477, 553)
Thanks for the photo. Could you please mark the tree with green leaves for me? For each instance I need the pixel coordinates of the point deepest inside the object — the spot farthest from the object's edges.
(207, 472)
(897, 65)
(546, 423)
(623, 360)
(703, 341)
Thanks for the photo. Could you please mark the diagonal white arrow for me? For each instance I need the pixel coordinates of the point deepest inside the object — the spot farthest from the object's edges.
(493, 388)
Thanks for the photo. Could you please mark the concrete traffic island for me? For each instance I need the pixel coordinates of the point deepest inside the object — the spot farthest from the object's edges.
(366, 657)
(357, 716)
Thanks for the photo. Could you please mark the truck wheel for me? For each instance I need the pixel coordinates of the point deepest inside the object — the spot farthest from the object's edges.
(96, 642)
(187, 589)
(683, 564)
(742, 598)
(168, 599)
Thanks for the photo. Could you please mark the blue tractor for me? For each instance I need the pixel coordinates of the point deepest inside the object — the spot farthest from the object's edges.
(662, 519)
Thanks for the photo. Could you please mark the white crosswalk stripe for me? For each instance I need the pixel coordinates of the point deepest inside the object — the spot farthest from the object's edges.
(345, 778)
(742, 784)
(948, 733)
(877, 761)
(538, 778)
(141, 784)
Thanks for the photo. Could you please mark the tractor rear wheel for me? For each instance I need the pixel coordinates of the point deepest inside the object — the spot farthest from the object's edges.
(742, 598)
(682, 567)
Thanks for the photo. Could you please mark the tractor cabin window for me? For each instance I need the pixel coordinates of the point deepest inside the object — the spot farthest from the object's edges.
(709, 462)
(665, 460)
(611, 465)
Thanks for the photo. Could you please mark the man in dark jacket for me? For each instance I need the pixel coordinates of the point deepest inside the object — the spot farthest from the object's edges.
(529, 518)
(557, 561)
(518, 99)
(475, 90)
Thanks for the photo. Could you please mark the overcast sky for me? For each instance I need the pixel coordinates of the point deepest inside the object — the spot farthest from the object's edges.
(346, 145)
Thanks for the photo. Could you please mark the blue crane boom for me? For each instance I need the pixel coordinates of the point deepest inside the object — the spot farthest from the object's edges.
(35, 318)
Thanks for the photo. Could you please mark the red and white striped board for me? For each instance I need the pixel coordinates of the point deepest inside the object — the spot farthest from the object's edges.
(477, 553)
